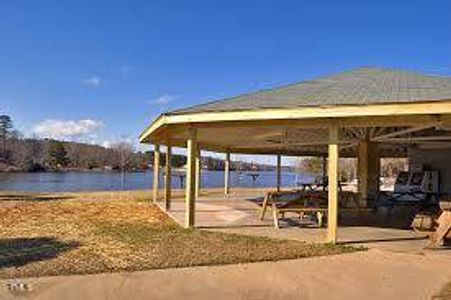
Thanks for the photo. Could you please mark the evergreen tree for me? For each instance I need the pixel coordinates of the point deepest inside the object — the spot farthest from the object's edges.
(6, 128)
(57, 154)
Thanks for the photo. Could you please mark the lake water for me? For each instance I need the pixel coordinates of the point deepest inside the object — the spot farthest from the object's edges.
(114, 181)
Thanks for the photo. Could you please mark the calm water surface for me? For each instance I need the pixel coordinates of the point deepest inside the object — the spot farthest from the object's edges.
(114, 181)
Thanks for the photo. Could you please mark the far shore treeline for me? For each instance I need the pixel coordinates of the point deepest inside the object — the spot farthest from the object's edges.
(21, 154)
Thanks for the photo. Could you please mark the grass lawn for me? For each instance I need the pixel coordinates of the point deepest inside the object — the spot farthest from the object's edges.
(84, 233)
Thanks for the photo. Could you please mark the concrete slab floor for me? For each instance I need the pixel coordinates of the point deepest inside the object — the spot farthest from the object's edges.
(238, 213)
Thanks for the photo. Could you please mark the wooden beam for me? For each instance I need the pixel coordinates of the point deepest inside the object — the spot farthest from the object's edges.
(325, 123)
(316, 113)
(168, 179)
(152, 129)
(156, 172)
(190, 193)
(269, 145)
(405, 131)
(416, 139)
(332, 210)
(198, 172)
(347, 146)
(227, 174)
(279, 171)
(438, 107)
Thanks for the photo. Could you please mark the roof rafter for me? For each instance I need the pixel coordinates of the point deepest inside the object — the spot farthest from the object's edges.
(398, 133)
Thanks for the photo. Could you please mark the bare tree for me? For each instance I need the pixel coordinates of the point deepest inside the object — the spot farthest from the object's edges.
(125, 152)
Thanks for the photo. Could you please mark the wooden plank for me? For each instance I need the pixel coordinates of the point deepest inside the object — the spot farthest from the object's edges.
(179, 130)
(439, 107)
(190, 193)
(156, 172)
(152, 129)
(264, 206)
(168, 179)
(275, 214)
(279, 172)
(325, 123)
(342, 111)
(227, 174)
(444, 228)
(333, 186)
(405, 131)
(416, 139)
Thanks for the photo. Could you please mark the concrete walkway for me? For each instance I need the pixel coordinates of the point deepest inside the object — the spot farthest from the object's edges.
(375, 274)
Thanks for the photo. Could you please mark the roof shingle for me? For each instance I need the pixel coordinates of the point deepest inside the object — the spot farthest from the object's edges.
(357, 87)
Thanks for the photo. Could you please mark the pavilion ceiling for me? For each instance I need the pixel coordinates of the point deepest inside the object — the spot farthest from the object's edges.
(393, 134)
(288, 141)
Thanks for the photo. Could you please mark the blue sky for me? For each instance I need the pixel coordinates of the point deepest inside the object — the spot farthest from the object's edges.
(102, 70)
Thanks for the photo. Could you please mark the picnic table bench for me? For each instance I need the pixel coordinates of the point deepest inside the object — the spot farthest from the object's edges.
(300, 202)
(444, 227)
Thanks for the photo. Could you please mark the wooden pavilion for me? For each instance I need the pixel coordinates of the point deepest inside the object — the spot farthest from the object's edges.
(367, 113)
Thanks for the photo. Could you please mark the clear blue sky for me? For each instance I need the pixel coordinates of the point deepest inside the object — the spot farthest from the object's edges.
(120, 63)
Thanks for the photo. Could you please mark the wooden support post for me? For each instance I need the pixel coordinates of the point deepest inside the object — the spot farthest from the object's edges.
(190, 194)
(168, 179)
(368, 171)
(227, 174)
(198, 173)
(156, 172)
(279, 171)
(332, 211)
(324, 165)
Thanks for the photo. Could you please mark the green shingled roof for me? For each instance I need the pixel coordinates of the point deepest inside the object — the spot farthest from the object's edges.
(356, 87)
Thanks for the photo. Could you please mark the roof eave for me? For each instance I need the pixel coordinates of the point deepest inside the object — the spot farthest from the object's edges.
(144, 137)
(440, 107)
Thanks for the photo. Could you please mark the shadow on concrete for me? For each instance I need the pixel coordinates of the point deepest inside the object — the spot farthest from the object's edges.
(256, 200)
(235, 226)
(368, 241)
(364, 218)
(396, 219)
(446, 244)
(16, 252)
(25, 197)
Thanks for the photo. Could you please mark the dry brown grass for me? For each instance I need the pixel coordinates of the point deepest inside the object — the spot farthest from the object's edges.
(119, 231)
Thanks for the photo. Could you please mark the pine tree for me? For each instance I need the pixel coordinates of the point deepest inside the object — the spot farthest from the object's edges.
(6, 127)
(57, 155)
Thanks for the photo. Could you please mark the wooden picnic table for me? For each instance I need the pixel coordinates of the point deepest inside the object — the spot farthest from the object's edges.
(320, 186)
(300, 202)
